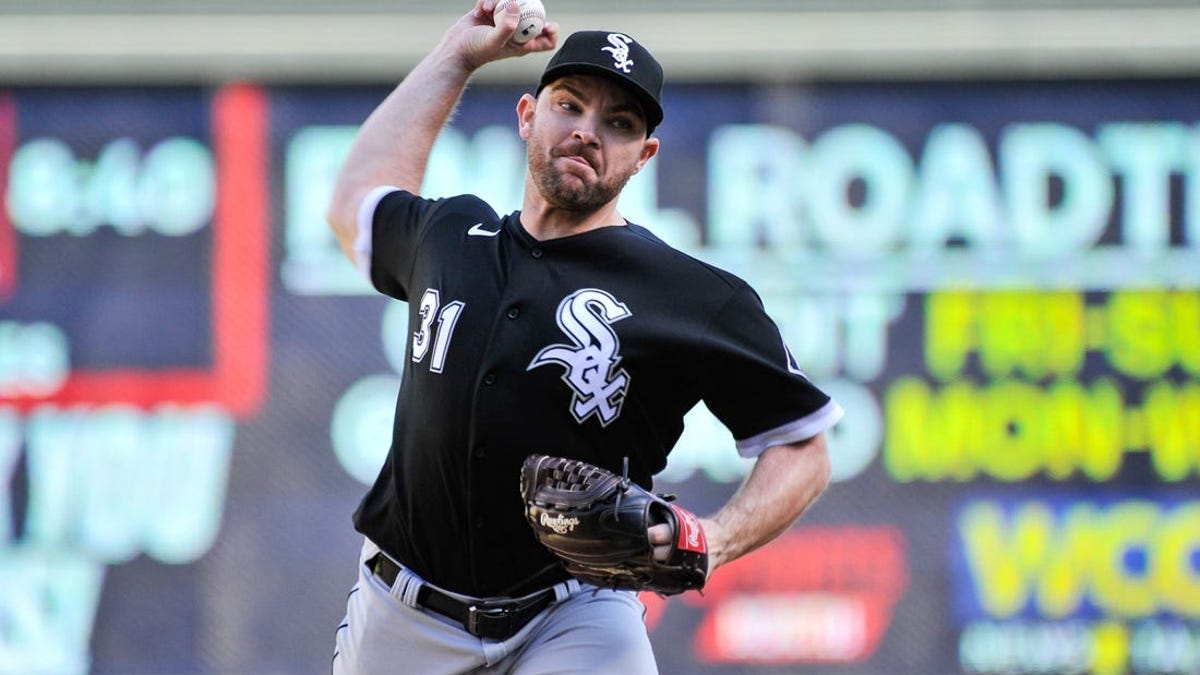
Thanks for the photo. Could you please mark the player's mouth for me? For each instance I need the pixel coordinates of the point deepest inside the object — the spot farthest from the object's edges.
(573, 156)
(581, 162)
(575, 167)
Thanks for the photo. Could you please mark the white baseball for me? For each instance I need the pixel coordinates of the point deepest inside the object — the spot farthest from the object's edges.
(533, 17)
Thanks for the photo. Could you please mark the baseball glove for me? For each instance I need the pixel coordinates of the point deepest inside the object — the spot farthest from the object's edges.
(596, 522)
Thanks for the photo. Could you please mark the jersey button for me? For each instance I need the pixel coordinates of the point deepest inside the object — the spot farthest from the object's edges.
(514, 312)
(479, 522)
(536, 253)
(480, 452)
(490, 378)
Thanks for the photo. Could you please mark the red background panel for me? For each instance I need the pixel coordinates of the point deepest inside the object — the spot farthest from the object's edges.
(8, 238)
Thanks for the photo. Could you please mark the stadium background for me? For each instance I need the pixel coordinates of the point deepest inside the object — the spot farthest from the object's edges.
(978, 224)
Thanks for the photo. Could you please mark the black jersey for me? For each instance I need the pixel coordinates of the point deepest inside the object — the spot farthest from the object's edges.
(591, 346)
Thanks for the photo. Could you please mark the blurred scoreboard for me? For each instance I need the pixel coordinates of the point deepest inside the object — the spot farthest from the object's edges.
(133, 247)
(1000, 282)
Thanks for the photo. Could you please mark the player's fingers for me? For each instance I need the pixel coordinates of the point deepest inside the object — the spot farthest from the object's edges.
(546, 40)
(495, 40)
(482, 11)
(662, 553)
(659, 534)
(485, 35)
(506, 20)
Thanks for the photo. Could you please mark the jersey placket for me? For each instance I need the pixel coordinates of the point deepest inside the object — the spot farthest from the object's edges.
(503, 358)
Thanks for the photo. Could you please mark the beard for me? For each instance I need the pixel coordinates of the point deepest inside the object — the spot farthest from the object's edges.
(561, 190)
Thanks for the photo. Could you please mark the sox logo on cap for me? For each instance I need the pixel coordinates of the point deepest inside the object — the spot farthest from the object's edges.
(619, 51)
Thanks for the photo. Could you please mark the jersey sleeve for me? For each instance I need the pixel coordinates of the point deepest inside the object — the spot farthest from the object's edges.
(753, 384)
(391, 223)
(401, 224)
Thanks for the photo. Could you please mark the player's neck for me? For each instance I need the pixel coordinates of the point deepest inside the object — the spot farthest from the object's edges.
(543, 221)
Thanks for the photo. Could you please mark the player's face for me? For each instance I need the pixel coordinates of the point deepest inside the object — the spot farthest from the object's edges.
(586, 137)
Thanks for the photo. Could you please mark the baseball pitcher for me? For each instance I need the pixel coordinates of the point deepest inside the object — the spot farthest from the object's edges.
(553, 354)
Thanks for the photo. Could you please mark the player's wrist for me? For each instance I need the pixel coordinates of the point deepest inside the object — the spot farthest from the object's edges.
(716, 536)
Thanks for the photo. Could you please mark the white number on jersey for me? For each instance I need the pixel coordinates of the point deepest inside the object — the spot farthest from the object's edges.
(424, 337)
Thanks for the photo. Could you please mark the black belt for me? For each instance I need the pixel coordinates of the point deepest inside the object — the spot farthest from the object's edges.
(494, 619)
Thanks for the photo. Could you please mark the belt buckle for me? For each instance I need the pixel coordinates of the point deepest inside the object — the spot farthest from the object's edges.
(490, 622)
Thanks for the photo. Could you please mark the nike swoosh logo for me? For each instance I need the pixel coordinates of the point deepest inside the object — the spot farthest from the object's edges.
(478, 231)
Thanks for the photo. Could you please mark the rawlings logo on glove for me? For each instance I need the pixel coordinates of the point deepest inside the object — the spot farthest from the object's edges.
(606, 542)
(691, 534)
(560, 524)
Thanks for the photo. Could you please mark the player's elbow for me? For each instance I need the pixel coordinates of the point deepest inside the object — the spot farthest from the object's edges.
(810, 465)
(823, 473)
(342, 217)
(822, 467)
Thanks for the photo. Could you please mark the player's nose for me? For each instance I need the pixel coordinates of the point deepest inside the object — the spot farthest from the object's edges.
(585, 132)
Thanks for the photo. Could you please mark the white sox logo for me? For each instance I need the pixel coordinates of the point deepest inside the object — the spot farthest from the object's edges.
(591, 364)
(620, 51)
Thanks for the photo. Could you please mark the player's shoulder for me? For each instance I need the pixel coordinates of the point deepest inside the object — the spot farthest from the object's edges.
(682, 264)
(463, 205)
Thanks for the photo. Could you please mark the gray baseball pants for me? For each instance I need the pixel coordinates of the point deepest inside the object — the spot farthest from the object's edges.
(584, 631)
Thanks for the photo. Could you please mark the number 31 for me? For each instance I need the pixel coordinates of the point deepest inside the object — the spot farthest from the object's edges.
(423, 338)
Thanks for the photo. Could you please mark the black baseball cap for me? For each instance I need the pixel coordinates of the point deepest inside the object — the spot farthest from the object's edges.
(615, 55)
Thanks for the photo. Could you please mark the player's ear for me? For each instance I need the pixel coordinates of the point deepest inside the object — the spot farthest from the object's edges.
(649, 149)
(525, 109)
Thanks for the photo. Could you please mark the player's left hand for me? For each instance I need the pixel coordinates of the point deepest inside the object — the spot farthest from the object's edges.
(660, 538)
(599, 524)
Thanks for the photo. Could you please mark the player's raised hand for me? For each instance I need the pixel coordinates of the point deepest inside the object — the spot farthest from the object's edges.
(483, 35)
